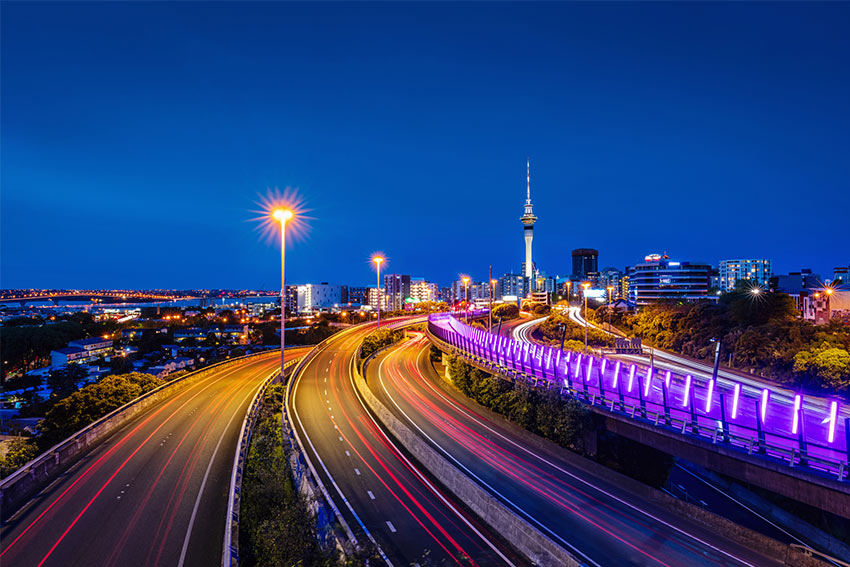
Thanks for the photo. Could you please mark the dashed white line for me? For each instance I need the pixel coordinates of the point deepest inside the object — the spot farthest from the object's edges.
(357, 471)
(369, 492)
(391, 526)
(347, 454)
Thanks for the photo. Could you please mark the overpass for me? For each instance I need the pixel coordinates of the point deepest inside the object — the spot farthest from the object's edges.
(756, 440)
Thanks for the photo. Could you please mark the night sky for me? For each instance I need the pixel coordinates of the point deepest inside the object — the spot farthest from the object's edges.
(136, 138)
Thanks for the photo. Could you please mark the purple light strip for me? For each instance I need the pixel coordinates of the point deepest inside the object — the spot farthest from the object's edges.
(589, 368)
(795, 421)
(765, 396)
(648, 385)
(616, 373)
(833, 417)
(667, 379)
(735, 396)
(710, 396)
(578, 367)
(631, 378)
(687, 391)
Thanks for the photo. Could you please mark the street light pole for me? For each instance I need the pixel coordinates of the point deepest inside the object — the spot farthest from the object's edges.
(584, 287)
(490, 312)
(378, 261)
(466, 296)
(282, 215)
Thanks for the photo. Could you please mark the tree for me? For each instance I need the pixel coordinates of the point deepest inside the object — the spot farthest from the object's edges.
(64, 380)
(506, 311)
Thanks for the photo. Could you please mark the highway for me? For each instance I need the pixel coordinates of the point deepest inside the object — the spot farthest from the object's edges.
(600, 522)
(778, 418)
(154, 493)
(384, 497)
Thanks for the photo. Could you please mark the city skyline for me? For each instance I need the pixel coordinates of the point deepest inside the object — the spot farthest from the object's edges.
(707, 154)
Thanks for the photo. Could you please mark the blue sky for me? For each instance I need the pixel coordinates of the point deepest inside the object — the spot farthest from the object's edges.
(137, 137)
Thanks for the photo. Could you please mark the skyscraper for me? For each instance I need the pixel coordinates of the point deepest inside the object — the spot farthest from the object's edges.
(397, 288)
(528, 219)
(585, 261)
(756, 270)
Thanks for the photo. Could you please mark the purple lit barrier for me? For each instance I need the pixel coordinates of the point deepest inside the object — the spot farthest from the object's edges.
(733, 414)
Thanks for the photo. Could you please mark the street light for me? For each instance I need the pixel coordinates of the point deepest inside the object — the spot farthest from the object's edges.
(282, 216)
(569, 285)
(378, 260)
(466, 295)
(610, 293)
(585, 286)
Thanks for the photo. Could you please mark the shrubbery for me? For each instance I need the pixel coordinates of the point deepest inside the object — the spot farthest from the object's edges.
(763, 333)
(551, 331)
(506, 311)
(378, 339)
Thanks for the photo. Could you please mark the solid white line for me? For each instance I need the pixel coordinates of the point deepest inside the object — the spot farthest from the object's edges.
(422, 477)
(478, 479)
(204, 481)
(336, 486)
(580, 479)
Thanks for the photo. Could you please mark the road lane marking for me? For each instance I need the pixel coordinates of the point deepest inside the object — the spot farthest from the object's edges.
(369, 492)
(463, 411)
(419, 474)
(391, 526)
(294, 384)
(347, 454)
(356, 470)
(251, 393)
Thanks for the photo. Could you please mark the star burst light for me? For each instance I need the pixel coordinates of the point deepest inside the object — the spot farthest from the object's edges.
(268, 225)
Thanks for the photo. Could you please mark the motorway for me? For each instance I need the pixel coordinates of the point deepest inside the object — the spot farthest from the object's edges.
(778, 415)
(155, 492)
(384, 497)
(599, 521)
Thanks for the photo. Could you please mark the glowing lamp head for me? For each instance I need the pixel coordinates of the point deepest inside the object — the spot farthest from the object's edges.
(282, 215)
(828, 291)
(377, 260)
(465, 281)
(755, 290)
(585, 285)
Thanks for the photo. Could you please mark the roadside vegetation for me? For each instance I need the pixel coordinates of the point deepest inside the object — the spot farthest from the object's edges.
(762, 334)
(378, 339)
(506, 312)
(277, 526)
(550, 331)
(70, 414)
(565, 421)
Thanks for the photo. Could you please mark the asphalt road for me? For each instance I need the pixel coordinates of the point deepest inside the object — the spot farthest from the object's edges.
(600, 522)
(383, 495)
(154, 493)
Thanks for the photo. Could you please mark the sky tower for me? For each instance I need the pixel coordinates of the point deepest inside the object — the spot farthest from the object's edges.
(528, 219)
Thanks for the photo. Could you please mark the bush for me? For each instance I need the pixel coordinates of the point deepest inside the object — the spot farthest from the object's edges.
(506, 311)
(90, 403)
(378, 339)
(21, 451)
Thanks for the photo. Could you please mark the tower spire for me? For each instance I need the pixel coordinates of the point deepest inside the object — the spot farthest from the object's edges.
(528, 180)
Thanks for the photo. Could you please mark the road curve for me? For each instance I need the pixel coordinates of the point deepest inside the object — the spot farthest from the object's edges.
(154, 493)
(598, 521)
(384, 496)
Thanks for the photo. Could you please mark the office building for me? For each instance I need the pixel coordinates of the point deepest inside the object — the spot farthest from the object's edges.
(660, 279)
(841, 276)
(585, 262)
(357, 295)
(795, 283)
(397, 289)
(315, 297)
(755, 270)
(513, 286)
(376, 298)
(420, 290)
(611, 277)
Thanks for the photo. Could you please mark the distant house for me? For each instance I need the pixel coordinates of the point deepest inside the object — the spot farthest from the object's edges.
(81, 351)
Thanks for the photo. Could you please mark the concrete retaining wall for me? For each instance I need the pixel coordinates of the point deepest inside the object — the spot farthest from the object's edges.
(745, 536)
(20, 486)
(523, 536)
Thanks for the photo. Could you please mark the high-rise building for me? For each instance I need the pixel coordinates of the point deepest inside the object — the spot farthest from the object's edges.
(397, 289)
(291, 298)
(420, 290)
(528, 219)
(661, 279)
(612, 277)
(357, 295)
(585, 262)
(513, 285)
(756, 270)
(841, 276)
(313, 297)
(376, 297)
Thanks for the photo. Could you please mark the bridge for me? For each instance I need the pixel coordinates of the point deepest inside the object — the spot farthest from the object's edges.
(752, 436)
(108, 296)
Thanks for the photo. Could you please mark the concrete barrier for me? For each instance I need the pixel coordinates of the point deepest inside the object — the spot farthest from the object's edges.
(230, 551)
(749, 538)
(17, 488)
(530, 541)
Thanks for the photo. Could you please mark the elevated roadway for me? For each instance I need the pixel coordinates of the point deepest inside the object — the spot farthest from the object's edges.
(600, 521)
